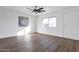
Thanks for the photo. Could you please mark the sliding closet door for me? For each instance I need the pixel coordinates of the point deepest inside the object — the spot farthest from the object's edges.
(71, 25)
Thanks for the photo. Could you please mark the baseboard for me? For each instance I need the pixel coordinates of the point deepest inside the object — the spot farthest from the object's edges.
(34, 33)
(7, 37)
(57, 36)
(41, 33)
(49, 34)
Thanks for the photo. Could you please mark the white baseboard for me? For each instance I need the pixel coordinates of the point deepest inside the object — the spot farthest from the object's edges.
(58, 36)
(7, 36)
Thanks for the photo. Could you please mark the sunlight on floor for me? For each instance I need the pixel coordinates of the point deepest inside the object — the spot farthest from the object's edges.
(20, 32)
(24, 31)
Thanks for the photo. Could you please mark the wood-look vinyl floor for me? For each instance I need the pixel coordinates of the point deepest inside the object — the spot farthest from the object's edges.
(38, 43)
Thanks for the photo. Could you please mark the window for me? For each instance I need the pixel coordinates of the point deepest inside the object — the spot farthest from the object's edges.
(50, 22)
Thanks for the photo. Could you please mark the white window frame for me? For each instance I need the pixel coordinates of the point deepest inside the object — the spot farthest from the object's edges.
(48, 24)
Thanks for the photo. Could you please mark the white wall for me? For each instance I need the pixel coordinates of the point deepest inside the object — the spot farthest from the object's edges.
(9, 22)
(71, 23)
(63, 21)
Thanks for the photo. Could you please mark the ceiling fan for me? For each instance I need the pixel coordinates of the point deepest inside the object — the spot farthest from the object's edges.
(37, 9)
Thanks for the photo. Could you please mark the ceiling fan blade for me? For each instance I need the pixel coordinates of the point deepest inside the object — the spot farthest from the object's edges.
(42, 11)
(41, 8)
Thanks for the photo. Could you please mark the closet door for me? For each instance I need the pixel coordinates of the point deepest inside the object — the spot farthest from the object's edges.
(71, 25)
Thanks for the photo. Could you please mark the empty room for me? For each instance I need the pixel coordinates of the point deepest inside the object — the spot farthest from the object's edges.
(39, 29)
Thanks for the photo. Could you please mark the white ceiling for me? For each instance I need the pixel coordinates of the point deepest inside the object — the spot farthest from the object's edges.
(48, 9)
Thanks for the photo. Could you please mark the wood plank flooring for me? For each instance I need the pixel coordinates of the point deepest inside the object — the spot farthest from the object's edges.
(38, 43)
